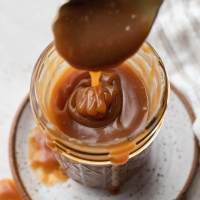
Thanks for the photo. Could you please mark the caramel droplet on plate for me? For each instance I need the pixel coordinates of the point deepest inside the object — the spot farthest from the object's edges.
(42, 159)
(8, 190)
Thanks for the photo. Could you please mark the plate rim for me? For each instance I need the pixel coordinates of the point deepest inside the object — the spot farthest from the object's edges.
(12, 136)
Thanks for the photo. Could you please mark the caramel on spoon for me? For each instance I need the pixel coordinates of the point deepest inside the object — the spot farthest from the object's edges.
(99, 34)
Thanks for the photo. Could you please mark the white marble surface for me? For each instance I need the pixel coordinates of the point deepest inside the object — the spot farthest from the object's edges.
(25, 29)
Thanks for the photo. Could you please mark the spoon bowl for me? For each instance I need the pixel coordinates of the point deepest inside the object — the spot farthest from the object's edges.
(95, 35)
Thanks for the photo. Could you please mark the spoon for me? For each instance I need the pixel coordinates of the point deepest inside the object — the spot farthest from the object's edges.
(99, 34)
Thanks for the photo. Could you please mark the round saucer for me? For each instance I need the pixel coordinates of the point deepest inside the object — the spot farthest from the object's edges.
(167, 176)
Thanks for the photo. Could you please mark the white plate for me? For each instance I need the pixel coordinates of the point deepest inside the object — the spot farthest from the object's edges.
(167, 177)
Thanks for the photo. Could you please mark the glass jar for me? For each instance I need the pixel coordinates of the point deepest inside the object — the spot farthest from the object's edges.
(95, 165)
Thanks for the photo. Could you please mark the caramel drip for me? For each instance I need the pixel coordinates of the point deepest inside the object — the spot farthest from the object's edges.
(42, 160)
(95, 78)
(8, 190)
(120, 154)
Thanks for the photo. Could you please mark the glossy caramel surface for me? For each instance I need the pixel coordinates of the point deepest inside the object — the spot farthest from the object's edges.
(131, 107)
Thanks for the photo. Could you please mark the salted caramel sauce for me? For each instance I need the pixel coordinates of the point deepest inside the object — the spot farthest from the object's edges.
(8, 190)
(42, 160)
(129, 121)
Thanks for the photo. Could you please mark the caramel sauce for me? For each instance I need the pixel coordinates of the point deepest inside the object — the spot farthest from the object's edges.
(96, 106)
(8, 190)
(42, 160)
(95, 78)
(131, 109)
(99, 34)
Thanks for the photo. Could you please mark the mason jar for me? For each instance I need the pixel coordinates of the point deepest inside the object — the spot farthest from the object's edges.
(94, 165)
